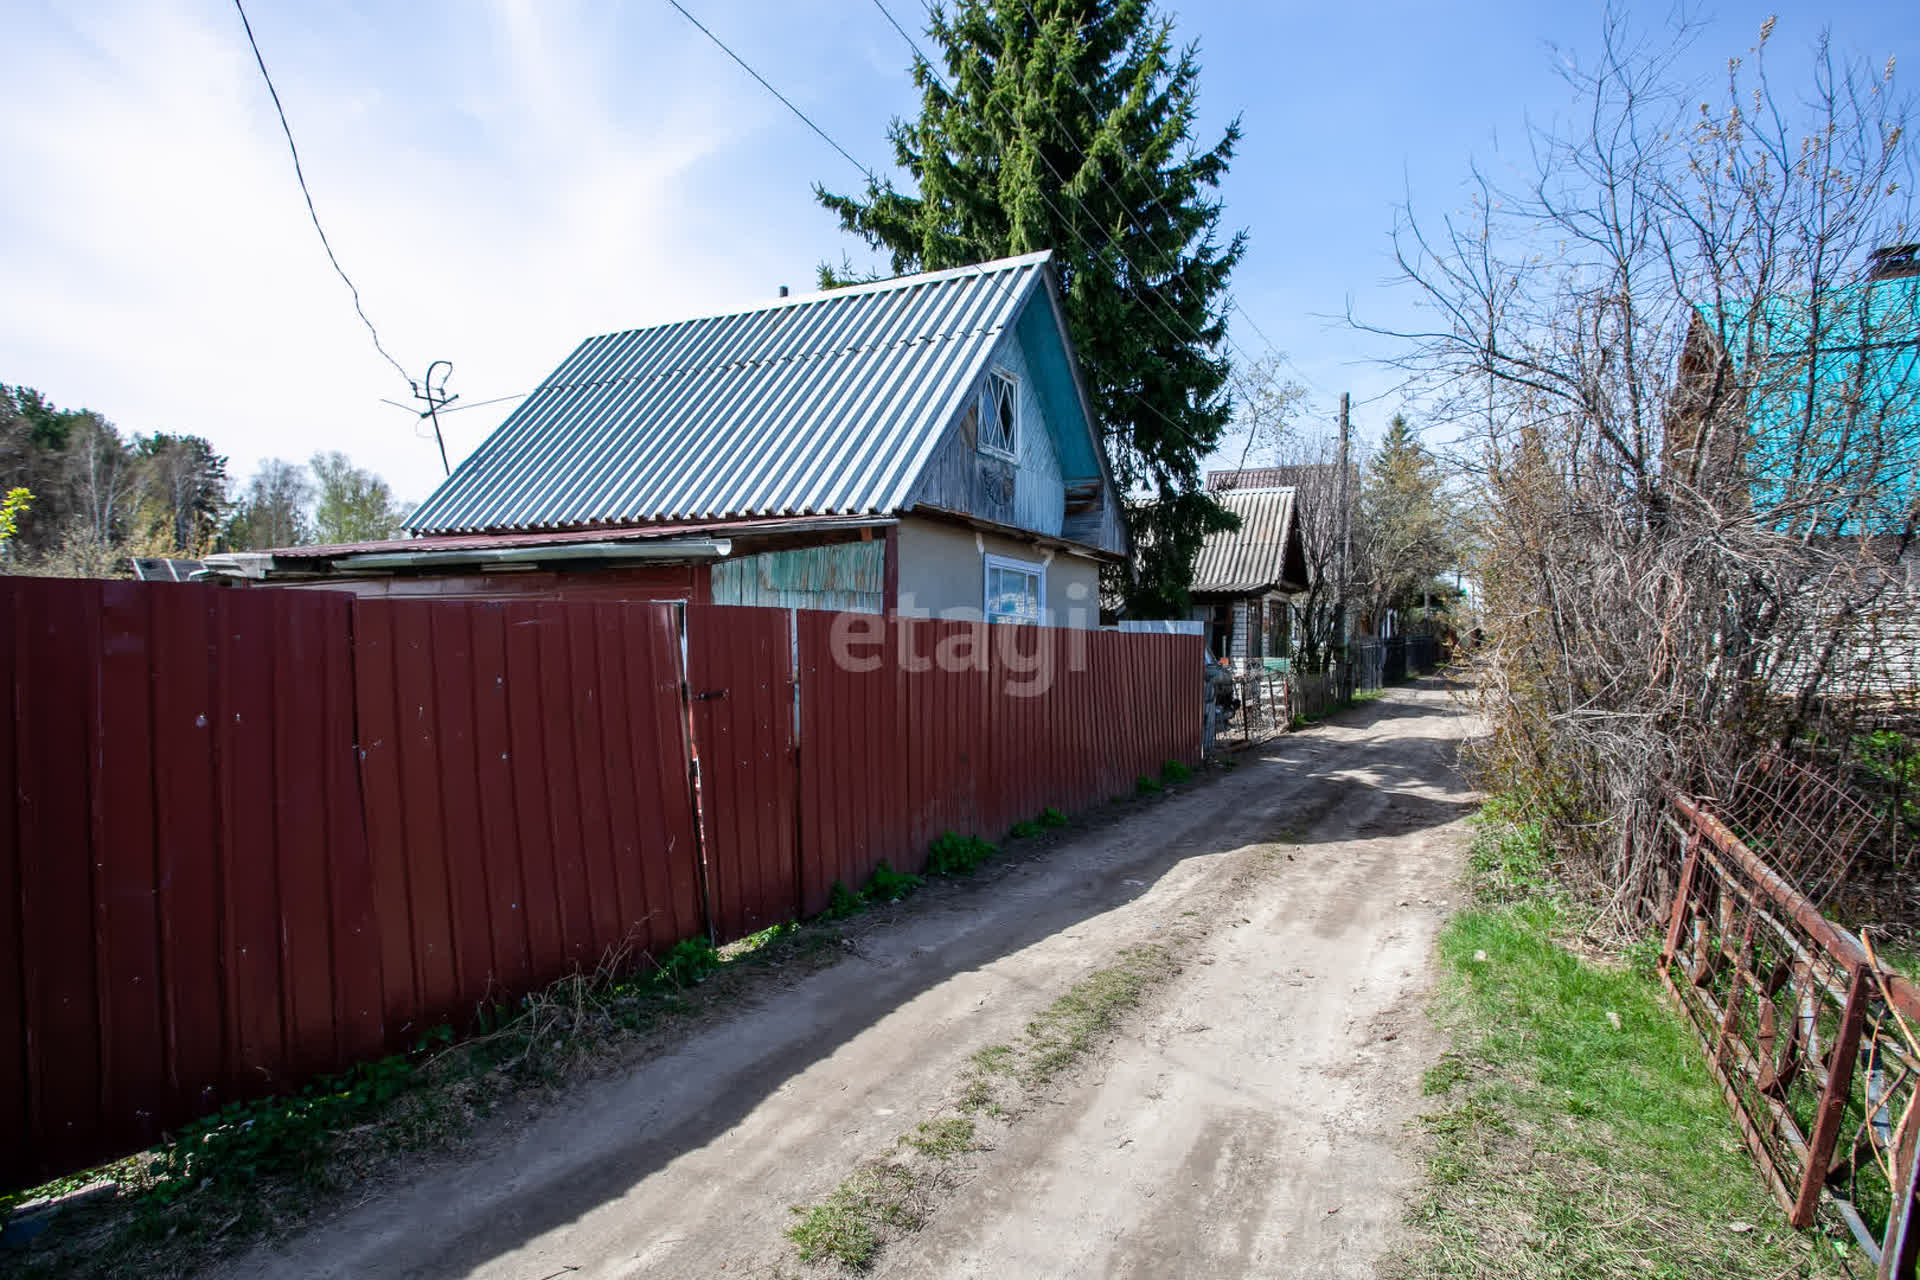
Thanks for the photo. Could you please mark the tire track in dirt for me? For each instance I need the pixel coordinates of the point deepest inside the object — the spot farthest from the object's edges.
(1243, 1098)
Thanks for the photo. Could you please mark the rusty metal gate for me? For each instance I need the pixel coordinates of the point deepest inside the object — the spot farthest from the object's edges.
(1812, 1041)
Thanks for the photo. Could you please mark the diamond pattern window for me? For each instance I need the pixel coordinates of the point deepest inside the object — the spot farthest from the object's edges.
(1000, 416)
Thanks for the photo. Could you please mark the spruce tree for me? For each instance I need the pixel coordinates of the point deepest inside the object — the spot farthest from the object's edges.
(1068, 125)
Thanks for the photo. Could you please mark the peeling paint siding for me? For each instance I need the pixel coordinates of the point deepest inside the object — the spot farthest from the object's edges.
(1039, 492)
(849, 577)
(954, 479)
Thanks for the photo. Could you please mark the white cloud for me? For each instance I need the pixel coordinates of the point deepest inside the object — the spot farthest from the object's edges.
(500, 184)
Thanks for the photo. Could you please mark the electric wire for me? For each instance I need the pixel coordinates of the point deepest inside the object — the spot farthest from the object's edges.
(869, 175)
(1193, 333)
(804, 117)
(313, 213)
(1153, 178)
(866, 172)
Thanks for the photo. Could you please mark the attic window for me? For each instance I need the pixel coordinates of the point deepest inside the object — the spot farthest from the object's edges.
(1000, 416)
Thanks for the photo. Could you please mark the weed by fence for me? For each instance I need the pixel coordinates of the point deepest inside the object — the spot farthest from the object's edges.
(253, 838)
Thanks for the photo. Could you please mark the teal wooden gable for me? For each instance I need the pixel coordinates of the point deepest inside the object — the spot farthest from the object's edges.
(1055, 481)
(1832, 390)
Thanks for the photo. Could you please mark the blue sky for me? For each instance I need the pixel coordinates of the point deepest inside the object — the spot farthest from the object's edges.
(504, 179)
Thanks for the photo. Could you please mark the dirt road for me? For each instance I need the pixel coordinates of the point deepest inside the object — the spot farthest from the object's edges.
(1248, 1118)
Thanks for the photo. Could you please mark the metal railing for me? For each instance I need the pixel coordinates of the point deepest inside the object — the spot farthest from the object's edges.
(1811, 1039)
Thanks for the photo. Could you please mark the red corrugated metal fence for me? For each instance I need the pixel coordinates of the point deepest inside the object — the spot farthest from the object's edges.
(255, 836)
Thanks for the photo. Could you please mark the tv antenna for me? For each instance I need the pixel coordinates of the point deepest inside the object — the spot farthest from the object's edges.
(436, 399)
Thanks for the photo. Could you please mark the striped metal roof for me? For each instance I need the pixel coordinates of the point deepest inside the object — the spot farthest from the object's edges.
(1256, 557)
(829, 403)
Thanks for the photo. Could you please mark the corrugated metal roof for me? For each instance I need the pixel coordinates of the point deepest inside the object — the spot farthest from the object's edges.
(1304, 474)
(1254, 558)
(823, 404)
(632, 533)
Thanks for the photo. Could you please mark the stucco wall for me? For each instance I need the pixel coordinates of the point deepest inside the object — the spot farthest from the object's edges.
(943, 574)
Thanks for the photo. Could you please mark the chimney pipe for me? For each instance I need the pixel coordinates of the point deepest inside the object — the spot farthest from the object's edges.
(783, 291)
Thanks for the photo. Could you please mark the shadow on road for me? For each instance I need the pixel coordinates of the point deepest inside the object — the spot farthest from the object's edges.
(1301, 788)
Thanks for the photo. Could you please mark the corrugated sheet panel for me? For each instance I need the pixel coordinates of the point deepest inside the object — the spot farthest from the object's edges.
(1255, 557)
(827, 403)
(1304, 475)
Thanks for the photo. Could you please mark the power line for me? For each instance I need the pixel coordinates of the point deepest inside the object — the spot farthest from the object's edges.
(869, 175)
(481, 404)
(1159, 200)
(770, 89)
(1194, 335)
(311, 211)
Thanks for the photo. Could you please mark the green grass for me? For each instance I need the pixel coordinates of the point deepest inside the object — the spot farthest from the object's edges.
(886, 1198)
(1172, 771)
(942, 1138)
(256, 1168)
(1024, 830)
(1052, 817)
(953, 854)
(1069, 1026)
(1566, 1145)
(1146, 786)
(851, 1224)
(888, 885)
(842, 902)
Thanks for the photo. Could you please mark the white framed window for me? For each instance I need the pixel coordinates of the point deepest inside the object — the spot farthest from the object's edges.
(1016, 589)
(1000, 415)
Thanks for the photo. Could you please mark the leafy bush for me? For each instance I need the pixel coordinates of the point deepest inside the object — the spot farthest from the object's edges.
(1145, 786)
(291, 1135)
(1174, 771)
(889, 885)
(1025, 830)
(689, 961)
(957, 855)
(1052, 817)
(842, 902)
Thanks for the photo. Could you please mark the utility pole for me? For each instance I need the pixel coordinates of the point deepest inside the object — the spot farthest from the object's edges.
(1346, 534)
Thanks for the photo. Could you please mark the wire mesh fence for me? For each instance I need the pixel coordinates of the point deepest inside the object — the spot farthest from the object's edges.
(1810, 1034)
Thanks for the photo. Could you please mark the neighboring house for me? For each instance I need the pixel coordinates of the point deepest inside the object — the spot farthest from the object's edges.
(1823, 443)
(1322, 509)
(1807, 406)
(923, 444)
(1243, 581)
